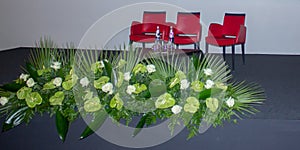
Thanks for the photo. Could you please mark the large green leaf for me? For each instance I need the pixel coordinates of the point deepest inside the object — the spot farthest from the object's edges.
(62, 125)
(13, 87)
(100, 117)
(140, 125)
(32, 71)
(205, 94)
(108, 70)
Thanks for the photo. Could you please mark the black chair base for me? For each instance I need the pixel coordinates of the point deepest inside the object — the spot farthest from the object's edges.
(232, 53)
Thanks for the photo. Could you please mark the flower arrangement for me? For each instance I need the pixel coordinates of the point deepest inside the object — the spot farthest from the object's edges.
(67, 83)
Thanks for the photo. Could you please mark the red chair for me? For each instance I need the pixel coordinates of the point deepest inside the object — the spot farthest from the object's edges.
(144, 32)
(231, 33)
(187, 29)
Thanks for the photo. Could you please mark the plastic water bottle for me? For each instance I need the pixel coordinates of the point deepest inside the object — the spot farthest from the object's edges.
(157, 45)
(170, 44)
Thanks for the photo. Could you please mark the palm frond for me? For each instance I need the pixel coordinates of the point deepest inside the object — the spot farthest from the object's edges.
(44, 53)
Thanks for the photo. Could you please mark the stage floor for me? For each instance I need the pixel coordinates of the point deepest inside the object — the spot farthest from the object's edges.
(276, 127)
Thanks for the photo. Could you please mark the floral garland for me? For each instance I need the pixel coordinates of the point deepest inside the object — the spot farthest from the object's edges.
(190, 90)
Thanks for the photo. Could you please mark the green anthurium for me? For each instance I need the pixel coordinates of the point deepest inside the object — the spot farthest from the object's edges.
(139, 68)
(57, 98)
(97, 66)
(100, 82)
(139, 88)
(165, 101)
(181, 75)
(192, 105)
(88, 95)
(197, 86)
(174, 81)
(23, 92)
(116, 102)
(212, 104)
(92, 105)
(33, 99)
(67, 85)
(122, 63)
(49, 86)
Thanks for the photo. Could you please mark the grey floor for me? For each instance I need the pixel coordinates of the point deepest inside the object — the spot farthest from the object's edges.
(276, 127)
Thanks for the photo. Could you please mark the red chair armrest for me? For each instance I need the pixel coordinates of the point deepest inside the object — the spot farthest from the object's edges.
(136, 28)
(215, 30)
(241, 37)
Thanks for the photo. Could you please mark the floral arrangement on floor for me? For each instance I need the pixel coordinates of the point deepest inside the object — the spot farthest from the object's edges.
(78, 83)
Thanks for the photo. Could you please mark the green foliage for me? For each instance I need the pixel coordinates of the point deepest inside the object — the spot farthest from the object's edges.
(157, 94)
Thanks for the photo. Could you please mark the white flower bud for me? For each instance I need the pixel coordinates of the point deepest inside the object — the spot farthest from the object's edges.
(30, 82)
(176, 109)
(57, 81)
(84, 82)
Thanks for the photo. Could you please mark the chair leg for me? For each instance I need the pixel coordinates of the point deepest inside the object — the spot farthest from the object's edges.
(198, 45)
(195, 45)
(243, 53)
(130, 42)
(233, 56)
(177, 46)
(206, 48)
(224, 52)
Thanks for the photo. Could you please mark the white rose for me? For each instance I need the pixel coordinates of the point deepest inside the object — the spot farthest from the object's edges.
(176, 109)
(208, 72)
(230, 102)
(184, 84)
(127, 76)
(130, 89)
(3, 100)
(57, 81)
(209, 84)
(24, 76)
(55, 65)
(101, 64)
(108, 88)
(30, 82)
(84, 82)
(151, 68)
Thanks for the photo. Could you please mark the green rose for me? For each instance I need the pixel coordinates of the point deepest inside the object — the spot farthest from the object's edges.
(23, 92)
(164, 101)
(100, 82)
(33, 99)
(139, 88)
(212, 104)
(92, 105)
(57, 98)
(116, 102)
(197, 86)
(192, 105)
(139, 68)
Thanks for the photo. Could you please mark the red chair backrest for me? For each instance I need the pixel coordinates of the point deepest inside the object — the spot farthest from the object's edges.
(152, 19)
(187, 23)
(232, 23)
